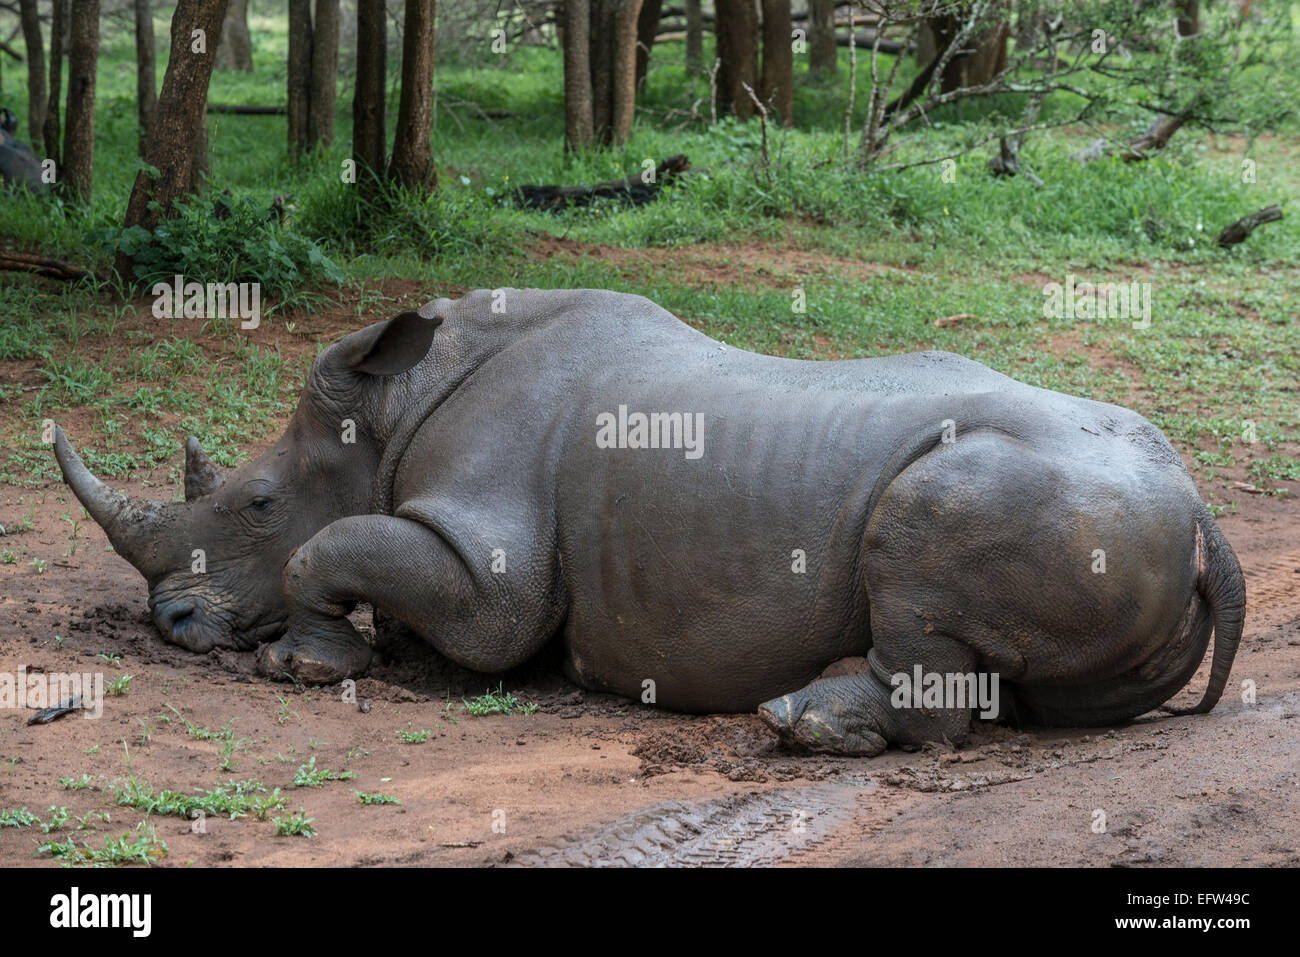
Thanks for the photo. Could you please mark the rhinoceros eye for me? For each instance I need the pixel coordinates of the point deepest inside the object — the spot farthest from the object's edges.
(260, 504)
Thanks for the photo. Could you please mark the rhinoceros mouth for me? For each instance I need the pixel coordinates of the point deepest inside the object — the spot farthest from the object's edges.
(200, 626)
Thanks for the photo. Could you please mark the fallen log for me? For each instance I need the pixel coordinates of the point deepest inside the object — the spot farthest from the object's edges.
(1156, 137)
(246, 110)
(42, 266)
(867, 39)
(1007, 162)
(631, 189)
(1242, 228)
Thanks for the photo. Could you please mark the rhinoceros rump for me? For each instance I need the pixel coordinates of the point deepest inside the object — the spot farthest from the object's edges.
(921, 510)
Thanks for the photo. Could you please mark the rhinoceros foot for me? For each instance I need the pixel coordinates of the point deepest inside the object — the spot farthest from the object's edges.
(322, 652)
(832, 714)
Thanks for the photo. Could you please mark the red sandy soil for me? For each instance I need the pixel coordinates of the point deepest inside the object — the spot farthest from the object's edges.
(594, 779)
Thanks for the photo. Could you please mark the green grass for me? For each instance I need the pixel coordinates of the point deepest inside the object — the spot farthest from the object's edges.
(1222, 350)
(295, 825)
(309, 776)
(143, 848)
(232, 799)
(198, 733)
(366, 800)
(497, 702)
(17, 817)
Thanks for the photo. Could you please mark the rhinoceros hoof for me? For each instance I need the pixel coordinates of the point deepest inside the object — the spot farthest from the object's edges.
(325, 653)
(801, 721)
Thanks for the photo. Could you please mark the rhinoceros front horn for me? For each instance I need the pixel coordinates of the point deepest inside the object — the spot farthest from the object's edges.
(133, 526)
(201, 476)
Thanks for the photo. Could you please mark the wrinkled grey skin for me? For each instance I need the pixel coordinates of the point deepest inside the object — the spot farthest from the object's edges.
(476, 443)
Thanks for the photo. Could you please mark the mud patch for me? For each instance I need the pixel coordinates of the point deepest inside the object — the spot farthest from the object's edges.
(742, 830)
(739, 747)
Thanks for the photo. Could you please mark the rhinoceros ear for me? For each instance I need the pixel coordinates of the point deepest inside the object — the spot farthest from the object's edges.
(389, 348)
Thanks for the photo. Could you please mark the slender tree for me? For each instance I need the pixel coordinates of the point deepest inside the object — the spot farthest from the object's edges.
(181, 111)
(369, 136)
(694, 37)
(324, 73)
(235, 52)
(146, 76)
(777, 82)
(822, 50)
(578, 131)
(623, 76)
(79, 137)
(412, 164)
(299, 73)
(736, 28)
(613, 68)
(36, 92)
(601, 58)
(53, 140)
(647, 28)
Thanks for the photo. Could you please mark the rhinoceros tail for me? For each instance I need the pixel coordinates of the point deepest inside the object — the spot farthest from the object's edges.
(1221, 584)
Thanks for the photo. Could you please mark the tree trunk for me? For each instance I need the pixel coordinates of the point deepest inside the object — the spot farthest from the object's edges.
(199, 164)
(235, 51)
(989, 42)
(601, 58)
(578, 130)
(647, 26)
(777, 85)
(1189, 17)
(694, 37)
(990, 56)
(146, 75)
(36, 92)
(324, 73)
(181, 110)
(623, 77)
(369, 136)
(79, 137)
(299, 74)
(822, 50)
(53, 141)
(736, 28)
(612, 58)
(412, 164)
(925, 44)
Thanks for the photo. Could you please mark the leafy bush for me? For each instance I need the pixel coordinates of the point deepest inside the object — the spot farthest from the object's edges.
(453, 221)
(219, 238)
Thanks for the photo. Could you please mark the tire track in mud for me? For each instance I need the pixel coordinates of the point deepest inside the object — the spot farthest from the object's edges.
(741, 830)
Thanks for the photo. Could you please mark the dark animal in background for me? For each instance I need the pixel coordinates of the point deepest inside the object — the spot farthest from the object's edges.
(18, 164)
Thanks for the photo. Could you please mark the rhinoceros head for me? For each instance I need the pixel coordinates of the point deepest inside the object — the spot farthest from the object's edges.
(213, 562)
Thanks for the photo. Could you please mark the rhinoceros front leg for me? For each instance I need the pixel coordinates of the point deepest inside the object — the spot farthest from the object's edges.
(399, 566)
(862, 714)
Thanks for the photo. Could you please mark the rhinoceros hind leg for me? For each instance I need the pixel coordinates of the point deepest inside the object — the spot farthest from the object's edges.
(319, 651)
(857, 714)
(844, 715)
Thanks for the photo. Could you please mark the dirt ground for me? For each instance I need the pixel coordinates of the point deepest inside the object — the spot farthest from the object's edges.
(594, 779)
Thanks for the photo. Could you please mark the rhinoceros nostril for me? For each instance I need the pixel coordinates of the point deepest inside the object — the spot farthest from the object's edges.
(172, 617)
